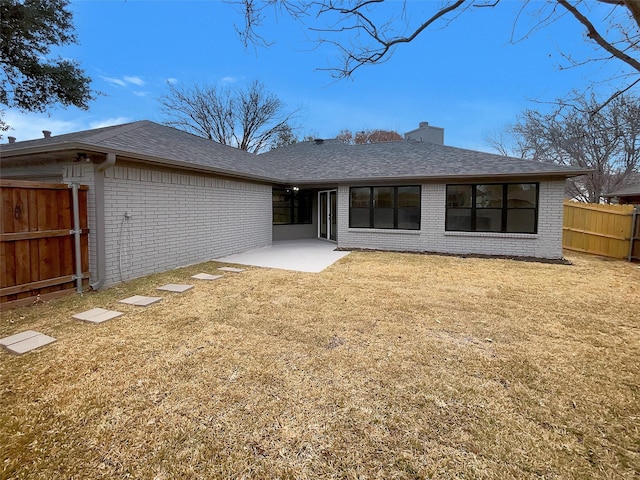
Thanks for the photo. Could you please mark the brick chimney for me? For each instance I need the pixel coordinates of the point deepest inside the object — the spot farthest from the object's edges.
(11, 139)
(46, 133)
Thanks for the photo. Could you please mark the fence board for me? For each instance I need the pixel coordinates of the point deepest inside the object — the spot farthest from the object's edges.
(6, 223)
(27, 287)
(36, 243)
(34, 185)
(598, 229)
(31, 235)
(35, 261)
(23, 262)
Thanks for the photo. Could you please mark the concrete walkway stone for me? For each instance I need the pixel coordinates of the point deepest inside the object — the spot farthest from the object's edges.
(231, 269)
(97, 315)
(26, 341)
(174, 287)
(18, 337)
(207, 276)
(140, 300)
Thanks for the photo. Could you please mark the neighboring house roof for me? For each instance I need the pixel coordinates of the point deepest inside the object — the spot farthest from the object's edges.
(628, 191)
(330, 161)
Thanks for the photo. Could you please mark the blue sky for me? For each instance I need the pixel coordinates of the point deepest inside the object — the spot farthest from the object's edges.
(467, 78)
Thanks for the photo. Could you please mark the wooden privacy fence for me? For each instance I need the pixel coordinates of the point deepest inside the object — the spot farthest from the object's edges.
(37, 241)
(608, 230)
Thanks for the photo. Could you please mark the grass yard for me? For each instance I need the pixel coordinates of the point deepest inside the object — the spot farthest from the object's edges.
(385, 365)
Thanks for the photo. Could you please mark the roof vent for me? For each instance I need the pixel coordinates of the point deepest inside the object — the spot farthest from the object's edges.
(11, 139)
(46, 133)
(319, 141)
(423, 124)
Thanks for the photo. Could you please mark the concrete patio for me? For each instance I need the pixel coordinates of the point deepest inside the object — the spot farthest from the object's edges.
(308, 255)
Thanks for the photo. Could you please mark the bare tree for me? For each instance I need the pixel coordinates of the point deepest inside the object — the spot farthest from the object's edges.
(251, 118)
(368, 136)
(608, 142)
(286, 136)
(367, 32)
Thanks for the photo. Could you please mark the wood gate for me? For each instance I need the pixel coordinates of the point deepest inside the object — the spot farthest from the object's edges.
(37, 247)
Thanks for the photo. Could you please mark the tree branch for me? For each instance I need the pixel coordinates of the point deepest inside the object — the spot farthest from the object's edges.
(368, 56)
(593, 34)
(614, 96)
(634, 8)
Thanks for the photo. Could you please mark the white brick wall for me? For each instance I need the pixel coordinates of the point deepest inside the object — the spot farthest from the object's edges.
(177, 219)
(547, 243)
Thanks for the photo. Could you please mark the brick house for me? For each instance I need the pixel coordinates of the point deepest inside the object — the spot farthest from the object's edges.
(160, 198)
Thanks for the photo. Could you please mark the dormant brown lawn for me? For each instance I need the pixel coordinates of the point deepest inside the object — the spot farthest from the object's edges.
(383, 366)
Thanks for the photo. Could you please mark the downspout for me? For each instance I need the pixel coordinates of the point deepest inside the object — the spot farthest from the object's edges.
(101, 259)
(76, 234)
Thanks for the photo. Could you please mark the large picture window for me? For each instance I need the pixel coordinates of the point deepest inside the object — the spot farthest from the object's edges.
(292, 206)
(385, 207)
(503, 207)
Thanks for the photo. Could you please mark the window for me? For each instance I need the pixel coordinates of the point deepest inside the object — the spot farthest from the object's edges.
(505, 207)
(291, 206)
(385, 207)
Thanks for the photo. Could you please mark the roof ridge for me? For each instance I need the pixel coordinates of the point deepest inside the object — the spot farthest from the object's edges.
(117, 130)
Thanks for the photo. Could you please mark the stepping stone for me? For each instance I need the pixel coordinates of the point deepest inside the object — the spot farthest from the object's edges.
(140, 300)
(26, 341)
(97, 315)
(174, 287)
(231, 269)
(207, 276)
(18, 337)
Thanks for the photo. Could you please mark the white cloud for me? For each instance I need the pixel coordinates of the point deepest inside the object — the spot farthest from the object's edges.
(29, 126)
(125, 81)
(135, 81)
(107, 122)
(228, 80)
(172, 80)
(141, 94)
(114, 81)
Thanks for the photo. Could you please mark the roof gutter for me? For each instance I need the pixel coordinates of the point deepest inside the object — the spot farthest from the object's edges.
(59, 147)
(98, 185)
